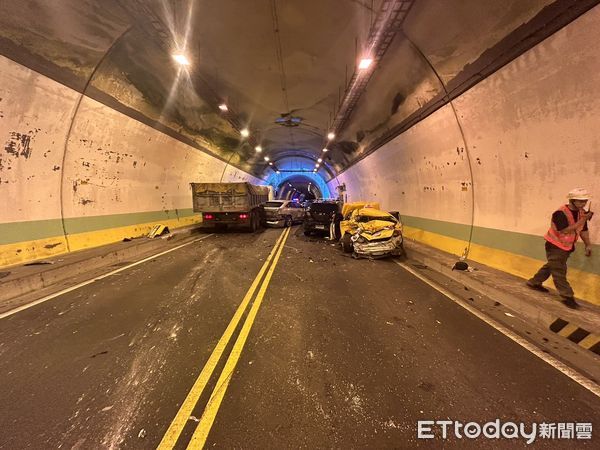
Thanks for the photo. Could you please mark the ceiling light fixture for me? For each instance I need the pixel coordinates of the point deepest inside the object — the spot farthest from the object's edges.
(325, 150)
(258, 149)
(266, 158)
(223, 107)
(317, 165)
(331, 135)
(365, 63)
(181, 59)
(277, 171)
(319, 160)
(245, 132)
(270, 163)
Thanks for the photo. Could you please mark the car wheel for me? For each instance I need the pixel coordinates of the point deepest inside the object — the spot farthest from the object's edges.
(336, 231)
(346, 243)
(307, 233)
(288, 221)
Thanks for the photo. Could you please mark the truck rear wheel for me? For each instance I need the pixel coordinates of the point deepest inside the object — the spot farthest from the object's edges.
(254, 222)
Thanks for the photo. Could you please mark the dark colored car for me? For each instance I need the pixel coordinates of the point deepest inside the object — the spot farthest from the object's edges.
(306, 203)
(319, 217)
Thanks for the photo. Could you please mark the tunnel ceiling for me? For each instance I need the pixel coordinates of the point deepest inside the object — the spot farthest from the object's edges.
(269, 60)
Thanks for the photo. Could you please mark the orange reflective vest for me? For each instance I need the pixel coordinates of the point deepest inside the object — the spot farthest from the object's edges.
(564, 241)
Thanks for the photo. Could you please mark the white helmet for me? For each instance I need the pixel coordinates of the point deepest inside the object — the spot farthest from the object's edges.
(578, 194)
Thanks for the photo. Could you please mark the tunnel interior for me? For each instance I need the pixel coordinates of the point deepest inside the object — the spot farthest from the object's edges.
(298, 187)
(450, 112)
(132, 317)
(300, 172)
(163, 64)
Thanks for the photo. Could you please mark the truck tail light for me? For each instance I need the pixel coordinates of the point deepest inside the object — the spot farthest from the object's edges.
(244, 216)
(208, 216)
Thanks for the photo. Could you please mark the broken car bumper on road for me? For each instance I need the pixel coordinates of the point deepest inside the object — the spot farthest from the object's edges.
(379, 249)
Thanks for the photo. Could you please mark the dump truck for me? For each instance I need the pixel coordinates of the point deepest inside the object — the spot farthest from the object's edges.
(229, 204)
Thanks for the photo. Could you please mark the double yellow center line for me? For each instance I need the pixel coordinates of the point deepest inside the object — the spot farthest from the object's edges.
(212, 407)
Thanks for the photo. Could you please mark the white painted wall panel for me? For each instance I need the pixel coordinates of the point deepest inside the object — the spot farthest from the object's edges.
(35, 113)
(113, 164)
(117, 165)
(420, 173)
(533, 130)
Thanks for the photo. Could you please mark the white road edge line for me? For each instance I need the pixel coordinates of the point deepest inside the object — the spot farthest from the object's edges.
(561, 367)
(92, 280)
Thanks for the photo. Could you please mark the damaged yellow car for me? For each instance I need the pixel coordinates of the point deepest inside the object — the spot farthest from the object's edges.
(369, 232)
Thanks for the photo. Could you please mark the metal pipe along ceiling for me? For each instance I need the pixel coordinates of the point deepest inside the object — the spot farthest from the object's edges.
(388, 22)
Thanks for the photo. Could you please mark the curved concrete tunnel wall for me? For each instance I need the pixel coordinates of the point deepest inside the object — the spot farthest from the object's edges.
(481, 186)
(114, 178)
(484, 182)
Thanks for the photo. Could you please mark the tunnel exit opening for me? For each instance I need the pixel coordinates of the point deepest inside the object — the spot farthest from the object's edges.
(298, 185)
(297, 178)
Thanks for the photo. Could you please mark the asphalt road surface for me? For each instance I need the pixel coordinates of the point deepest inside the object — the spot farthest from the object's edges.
(269, 340)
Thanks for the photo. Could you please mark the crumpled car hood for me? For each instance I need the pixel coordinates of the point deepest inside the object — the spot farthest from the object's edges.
(378, 226)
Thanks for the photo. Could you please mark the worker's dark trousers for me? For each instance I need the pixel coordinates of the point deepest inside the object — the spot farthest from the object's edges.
(557, 267)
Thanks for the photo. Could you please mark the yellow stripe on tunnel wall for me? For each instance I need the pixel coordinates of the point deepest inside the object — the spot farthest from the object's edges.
(444, 243)
(585, 285)
(90, 239)
(21, 252)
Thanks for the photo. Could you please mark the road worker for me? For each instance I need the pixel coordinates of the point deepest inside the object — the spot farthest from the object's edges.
(569, 222)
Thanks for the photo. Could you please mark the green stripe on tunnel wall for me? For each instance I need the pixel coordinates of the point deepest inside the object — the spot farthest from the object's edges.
(519, 243)
(13, 232)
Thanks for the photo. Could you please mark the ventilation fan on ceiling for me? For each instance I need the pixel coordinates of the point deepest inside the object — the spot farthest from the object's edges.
(287, 120)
